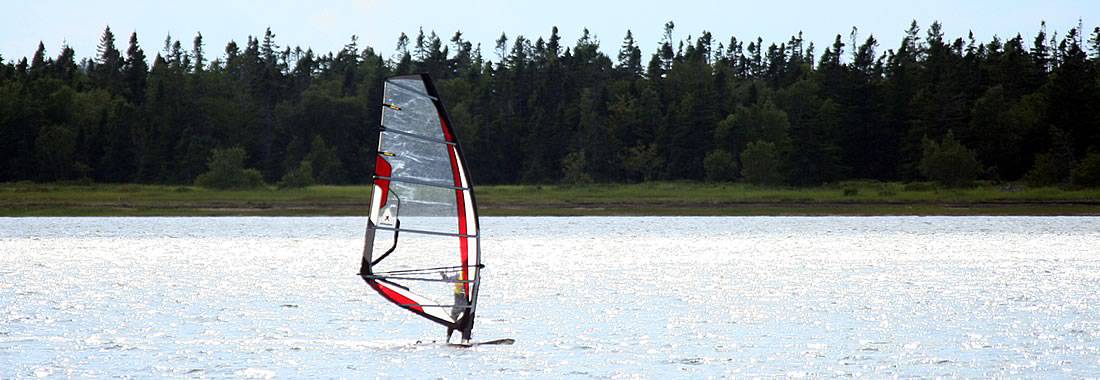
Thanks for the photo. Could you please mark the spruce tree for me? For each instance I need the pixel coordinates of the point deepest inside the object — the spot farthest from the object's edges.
(38, 62)
(463, 58)
(108, 63)
(64, 67)
(630, 58)
(553, 45)
(1094, 45)
(198, 57)
(136, 71)
(402, 61)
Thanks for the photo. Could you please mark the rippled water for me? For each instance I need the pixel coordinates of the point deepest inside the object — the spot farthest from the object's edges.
(583, 297)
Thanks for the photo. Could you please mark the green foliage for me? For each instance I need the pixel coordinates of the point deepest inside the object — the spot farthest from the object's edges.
(814, 125)
(597, 142)
(298, 178)
(949, 163)
(889, 189)
(574, 167)
(1047, 170)
(859, 108)
(919, 186)
(54, 149)
(760, 164)
(227, 171)
(764, 122)
(326, 165)
(1087, 172)
(1055, 165)
(720, 166)
(644, 161)
(999, 128)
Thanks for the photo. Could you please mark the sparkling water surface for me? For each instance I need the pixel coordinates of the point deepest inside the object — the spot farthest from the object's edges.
(590, 297)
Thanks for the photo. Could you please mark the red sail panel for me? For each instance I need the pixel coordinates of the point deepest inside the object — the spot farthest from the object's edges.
(396, 297)
(382, 171)
(463, 245)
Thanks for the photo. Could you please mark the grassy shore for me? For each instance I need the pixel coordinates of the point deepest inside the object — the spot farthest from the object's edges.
(663, 198)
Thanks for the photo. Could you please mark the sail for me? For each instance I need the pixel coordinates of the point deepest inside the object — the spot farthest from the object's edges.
(422, 241)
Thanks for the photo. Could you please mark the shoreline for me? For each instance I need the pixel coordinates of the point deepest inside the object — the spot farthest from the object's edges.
(651, 199)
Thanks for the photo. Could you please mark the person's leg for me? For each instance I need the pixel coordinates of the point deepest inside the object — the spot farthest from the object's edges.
(459, 306)
(467, 327)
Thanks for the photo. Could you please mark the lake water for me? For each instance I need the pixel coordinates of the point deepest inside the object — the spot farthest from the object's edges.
(594, 297)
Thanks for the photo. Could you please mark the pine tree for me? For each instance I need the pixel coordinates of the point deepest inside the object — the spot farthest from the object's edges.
(1094, 44)
(268, 49)
(463, 58)
(420, 48)
(21, 68)
(402, 61)
(109, 63)
(502, 49)
(665, 52)
(199, 60)
(233, 60)
(1040, 53)
(38, 62)
(64, 67)
(553, 45)
(436, 61)
(136, 71)
(630, 57)
(179, 61)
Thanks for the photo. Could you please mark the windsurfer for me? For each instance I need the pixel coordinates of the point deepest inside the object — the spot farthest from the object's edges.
(461, 303)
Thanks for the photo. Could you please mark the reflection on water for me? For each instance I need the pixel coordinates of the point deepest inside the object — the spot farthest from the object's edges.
(583, 297)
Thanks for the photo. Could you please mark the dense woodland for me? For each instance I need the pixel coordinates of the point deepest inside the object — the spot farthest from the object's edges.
(546, 111)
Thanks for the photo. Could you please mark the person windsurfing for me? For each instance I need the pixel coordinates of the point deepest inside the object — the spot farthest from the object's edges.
(461, 302)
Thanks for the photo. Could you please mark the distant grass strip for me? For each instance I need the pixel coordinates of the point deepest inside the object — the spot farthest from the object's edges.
(660, 198)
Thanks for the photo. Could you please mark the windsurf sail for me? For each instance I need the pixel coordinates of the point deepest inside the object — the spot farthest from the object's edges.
(423, 246)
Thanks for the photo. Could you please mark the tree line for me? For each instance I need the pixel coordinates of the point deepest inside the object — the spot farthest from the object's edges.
(539, 111)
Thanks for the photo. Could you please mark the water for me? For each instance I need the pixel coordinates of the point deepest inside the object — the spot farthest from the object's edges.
(583, 297)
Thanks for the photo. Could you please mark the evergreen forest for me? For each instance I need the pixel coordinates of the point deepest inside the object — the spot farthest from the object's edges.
(543, 110)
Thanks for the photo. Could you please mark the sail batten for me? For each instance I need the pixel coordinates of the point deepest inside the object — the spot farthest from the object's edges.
(423, 215)
(425, 232)
(411, 89)
(420, 182)
(415, 136)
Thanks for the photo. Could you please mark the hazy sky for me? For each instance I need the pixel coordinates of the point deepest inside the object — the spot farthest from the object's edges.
(327, 25)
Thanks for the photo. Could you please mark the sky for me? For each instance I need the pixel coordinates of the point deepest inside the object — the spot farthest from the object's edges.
(328, 25)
